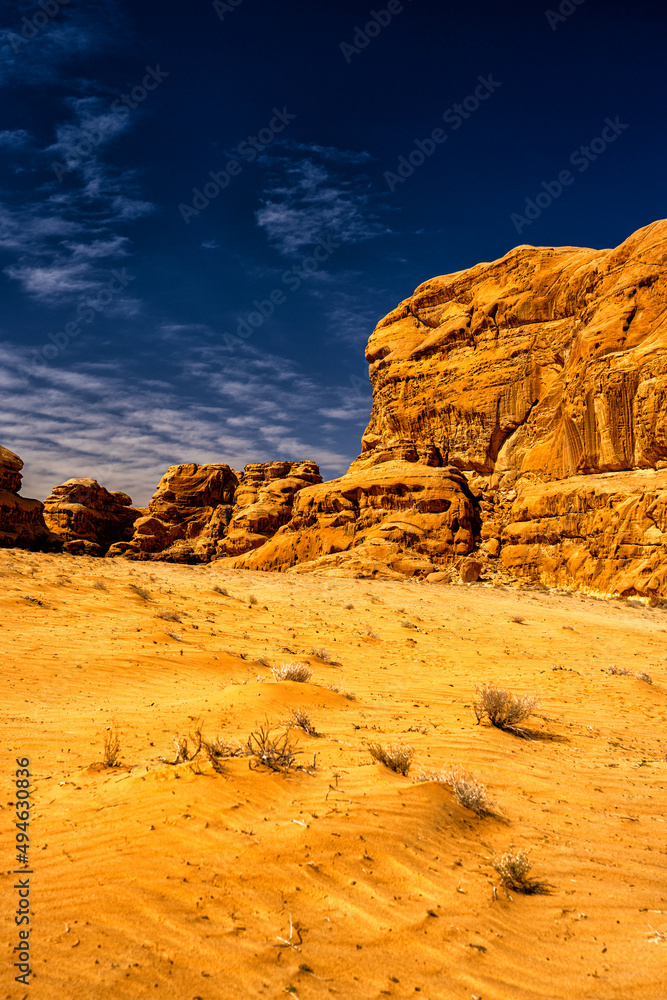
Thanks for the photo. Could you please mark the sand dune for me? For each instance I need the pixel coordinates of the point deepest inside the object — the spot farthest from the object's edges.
(174, 882)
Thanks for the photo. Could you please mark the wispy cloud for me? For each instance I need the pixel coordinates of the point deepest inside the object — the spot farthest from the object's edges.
(14, 138)
(309, 201)
(125, 430)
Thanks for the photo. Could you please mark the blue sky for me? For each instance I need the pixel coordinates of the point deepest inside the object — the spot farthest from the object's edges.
(205, 208)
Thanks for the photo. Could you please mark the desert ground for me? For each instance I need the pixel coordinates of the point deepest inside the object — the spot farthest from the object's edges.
(339, 876)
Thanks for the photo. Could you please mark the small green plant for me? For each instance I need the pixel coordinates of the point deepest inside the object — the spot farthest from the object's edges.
(503, 709)
(396, 756)
(299, 672)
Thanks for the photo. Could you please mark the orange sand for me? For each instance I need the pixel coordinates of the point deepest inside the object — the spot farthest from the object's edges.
(158, 881)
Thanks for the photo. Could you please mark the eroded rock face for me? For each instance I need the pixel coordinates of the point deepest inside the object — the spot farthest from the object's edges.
(394, 519)
(21, 520)
(81, 511)
(528, 396)
(605, 534)
(263, 503)
(549, 360)
(190, 499)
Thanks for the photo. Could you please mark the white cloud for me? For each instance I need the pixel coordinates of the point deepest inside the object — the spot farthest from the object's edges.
(103, 422)
(311, 204)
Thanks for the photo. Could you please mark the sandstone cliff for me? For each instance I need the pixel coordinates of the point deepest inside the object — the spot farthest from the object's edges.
(526, 397)
(22, 522)
(87, 517)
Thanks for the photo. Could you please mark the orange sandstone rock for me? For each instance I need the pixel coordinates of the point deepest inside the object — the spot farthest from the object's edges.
(21, 520)
(88, 517)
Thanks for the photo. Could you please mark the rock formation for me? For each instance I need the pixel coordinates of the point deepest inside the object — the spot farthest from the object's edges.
(87, 517)
(529, 396)
(21, 520)
(200, 512)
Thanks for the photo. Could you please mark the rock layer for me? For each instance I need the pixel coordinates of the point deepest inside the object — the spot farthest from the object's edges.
(87, 517)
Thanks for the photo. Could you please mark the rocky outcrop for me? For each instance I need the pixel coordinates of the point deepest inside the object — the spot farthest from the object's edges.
(22, 522)
(190, 499)
(528, 397)
(394, 519)
(200, 512)
(263, 503)
(87, 517)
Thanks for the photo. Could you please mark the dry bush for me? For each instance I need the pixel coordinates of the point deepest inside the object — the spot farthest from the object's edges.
(169, 616)
(503, 709)
(263, 660)
(641, 675)
(252, 599)
(111, 748)
(513, 868)
(221, 590)
(407, 624)
(100, 585)
(321, 653)
(300, 672)
(175, 635)
(141, 591)
(300, 719)
(619, 671)
(396, 757)
(183, 751)
(517, 619)
(367, 630)
(469, 792)
(348, 607)
(218, 751)
(275, 752)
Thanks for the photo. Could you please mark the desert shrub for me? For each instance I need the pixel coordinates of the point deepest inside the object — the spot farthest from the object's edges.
(221, 590)
(111, 748)
(619, 671)
(263, 660)
(503, 709)
(513, 868)
(141, 591)
(175, 635)
(217, 752)
(275, 752)
(300, 672)
(367, 630)
(100, 585)
(396, 757)
(469, 792)
(641, 675)
(169, 616)
(321, 653)
(407, 624)
(252, 599)
(300, 719)
(348, 607)
(517, 619)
